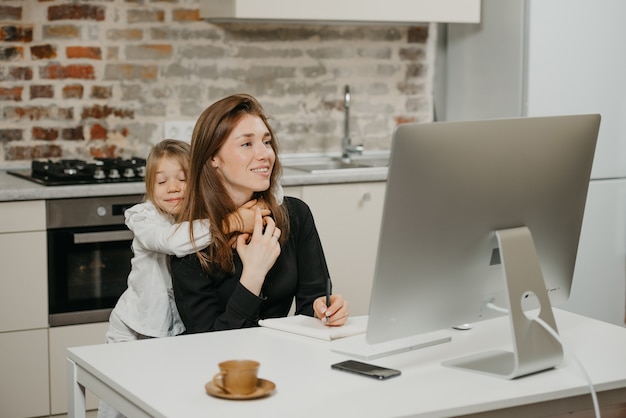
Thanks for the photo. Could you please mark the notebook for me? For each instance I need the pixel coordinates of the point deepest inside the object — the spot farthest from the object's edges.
(313, 327)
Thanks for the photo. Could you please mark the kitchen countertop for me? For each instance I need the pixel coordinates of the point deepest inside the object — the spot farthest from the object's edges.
(13, 188)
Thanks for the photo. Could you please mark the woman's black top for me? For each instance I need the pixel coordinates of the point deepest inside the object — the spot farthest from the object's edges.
(215, 300)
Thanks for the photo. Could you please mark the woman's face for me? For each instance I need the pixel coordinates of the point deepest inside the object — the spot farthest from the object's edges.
(170, 184)
(246, 159)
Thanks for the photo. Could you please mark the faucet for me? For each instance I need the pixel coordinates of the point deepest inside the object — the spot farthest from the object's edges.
(347, 149)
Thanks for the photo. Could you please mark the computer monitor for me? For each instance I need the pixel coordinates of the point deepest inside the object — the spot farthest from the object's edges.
(478, 212)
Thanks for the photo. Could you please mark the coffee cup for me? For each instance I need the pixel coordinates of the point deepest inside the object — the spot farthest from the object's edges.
(237, 377)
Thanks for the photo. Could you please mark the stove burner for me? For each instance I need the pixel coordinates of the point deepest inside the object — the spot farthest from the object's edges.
(99, 170)
(77, 169)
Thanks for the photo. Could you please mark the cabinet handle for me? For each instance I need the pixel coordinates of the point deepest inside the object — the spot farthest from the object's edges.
(367, 196)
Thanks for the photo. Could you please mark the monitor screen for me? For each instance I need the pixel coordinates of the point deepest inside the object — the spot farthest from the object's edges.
(451, 186)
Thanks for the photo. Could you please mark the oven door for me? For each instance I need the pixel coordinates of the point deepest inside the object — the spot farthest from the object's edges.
(88, 269)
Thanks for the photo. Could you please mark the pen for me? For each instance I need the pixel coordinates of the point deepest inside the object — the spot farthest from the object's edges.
(327, 295)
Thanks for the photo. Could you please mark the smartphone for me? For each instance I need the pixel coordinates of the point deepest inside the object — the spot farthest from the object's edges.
(366, 369)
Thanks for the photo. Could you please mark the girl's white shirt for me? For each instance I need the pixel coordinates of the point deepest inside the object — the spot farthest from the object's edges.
(147, 306)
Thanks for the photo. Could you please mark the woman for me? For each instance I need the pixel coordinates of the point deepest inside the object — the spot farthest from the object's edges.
(234, 158)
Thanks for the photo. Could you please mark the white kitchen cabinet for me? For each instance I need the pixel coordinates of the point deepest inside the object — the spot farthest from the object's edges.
(524, 59)
(60, 339)
(24, 284)
(295, 191)
(555, 57)
(24, 388)
(29, 215)
(348, 218)
(324, 11)
(598, 287)
(24, 373)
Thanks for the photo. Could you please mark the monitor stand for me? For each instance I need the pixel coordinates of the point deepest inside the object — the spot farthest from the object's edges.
(534, 348)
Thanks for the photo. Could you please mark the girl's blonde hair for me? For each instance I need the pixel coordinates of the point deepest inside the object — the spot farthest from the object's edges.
(168, 148)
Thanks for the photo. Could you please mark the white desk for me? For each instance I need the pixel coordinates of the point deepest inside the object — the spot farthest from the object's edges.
(166, 377)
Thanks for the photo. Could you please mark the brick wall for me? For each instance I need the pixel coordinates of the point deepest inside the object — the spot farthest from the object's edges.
(100, 77)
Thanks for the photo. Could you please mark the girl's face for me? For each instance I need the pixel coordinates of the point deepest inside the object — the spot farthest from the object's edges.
(170, 184)
(246, 159)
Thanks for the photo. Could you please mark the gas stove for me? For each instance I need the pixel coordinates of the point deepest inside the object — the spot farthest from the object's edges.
(71, 172)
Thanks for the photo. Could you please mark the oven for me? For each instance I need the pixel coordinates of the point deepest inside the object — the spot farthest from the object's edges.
(89, 254)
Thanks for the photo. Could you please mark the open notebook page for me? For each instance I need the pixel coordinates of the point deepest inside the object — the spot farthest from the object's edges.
(313, 327)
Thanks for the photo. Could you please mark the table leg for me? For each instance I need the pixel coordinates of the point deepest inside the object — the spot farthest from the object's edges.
(76, 402)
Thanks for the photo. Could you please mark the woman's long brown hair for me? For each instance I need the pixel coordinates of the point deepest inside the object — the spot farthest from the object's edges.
(207, 197)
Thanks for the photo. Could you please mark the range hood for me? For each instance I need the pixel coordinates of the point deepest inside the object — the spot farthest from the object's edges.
(338, 11)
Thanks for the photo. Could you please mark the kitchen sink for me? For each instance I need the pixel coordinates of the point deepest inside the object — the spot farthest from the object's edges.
(334, 164)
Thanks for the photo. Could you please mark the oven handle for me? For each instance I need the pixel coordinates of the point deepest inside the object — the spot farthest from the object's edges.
(105, 236)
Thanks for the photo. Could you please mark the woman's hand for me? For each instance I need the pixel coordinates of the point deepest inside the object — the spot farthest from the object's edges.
(258, 252)
(334, 315)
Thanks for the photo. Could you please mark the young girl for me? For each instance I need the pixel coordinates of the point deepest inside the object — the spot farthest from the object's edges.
(147, 309)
